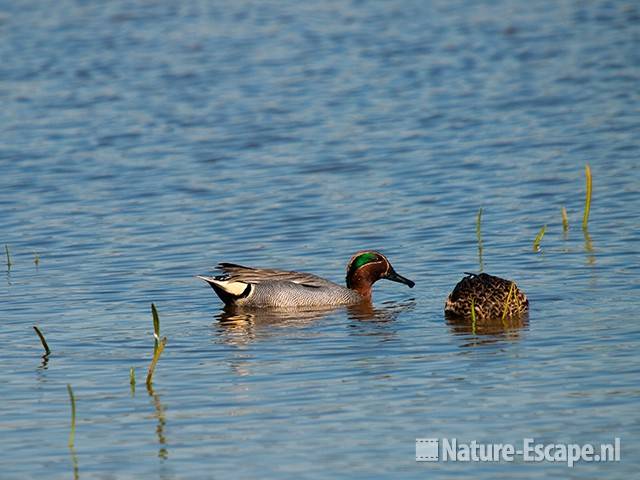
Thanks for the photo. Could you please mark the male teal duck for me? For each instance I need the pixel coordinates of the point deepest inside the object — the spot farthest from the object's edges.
(261, 287)
(489, 295)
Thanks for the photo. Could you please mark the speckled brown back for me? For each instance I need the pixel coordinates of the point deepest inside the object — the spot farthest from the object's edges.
(489, 294)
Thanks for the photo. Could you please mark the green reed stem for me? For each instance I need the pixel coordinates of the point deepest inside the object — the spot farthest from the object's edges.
(74, 462)
(6, 249)
(588, 247)
(43, 341)
(538, 239)
(473, 316)
(36, 259)
(156, 327)
(479, 237)
(72, 433)
(154, 361)
(158, 345)
(565, 220)
(507, 302)
(587, 200)
(132, 380)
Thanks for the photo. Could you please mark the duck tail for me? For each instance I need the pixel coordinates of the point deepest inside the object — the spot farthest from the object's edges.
(229, 291)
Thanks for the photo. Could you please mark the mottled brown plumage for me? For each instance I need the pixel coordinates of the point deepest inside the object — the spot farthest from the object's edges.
(490, 294)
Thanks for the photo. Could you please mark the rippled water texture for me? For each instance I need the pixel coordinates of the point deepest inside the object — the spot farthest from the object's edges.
(142, 144)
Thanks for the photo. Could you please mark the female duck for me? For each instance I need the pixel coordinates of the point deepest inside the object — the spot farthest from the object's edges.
(260, 287)
(492, 297)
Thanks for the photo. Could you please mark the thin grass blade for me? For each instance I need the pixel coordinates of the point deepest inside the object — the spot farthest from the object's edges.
(132, 380)
(479, 237)
(565, 220)
(43, 341)
(507, 302)
(473, 316)
(154, 361)
(587, 200)
(72, 433)
(156, 327)
(538, 239)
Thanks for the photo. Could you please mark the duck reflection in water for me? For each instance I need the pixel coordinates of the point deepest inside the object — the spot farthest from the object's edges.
(509, 327)
(241, 325)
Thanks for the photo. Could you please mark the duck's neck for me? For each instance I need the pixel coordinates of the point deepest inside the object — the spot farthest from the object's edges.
(362, 281)
(363, 289)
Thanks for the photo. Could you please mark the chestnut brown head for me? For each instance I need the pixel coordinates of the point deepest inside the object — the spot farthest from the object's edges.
(367, 267)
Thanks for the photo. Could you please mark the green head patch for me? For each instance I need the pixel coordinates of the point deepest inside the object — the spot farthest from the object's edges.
(363, 259)
(359, 262)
